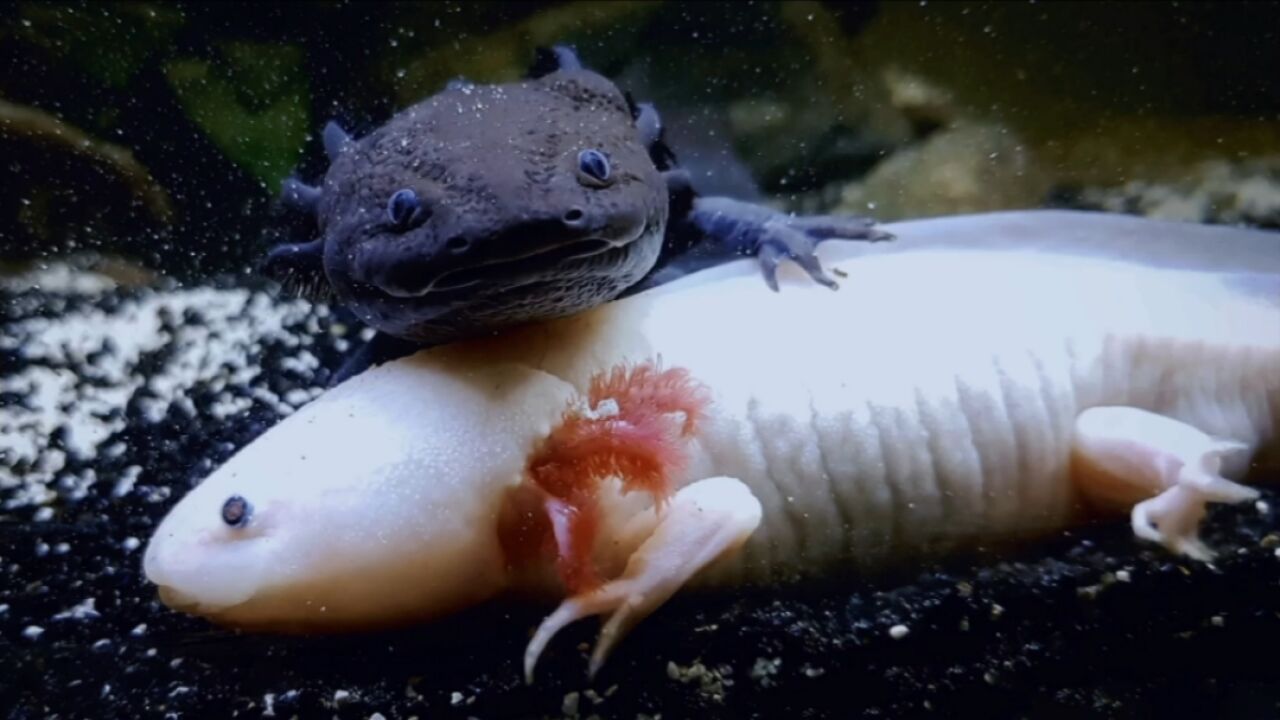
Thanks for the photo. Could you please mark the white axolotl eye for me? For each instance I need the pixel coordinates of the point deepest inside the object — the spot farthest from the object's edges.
(236, 511)
(215, 552)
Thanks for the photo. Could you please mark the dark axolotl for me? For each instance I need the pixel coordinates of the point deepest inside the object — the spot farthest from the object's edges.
(487, 206)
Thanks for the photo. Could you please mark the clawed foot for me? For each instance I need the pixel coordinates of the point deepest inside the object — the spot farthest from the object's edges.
(702, 522)
(737, 228)
(1172, 518)
(797, 238)
(1165, 470)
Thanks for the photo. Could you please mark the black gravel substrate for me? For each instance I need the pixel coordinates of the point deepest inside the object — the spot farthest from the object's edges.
(1088, 625)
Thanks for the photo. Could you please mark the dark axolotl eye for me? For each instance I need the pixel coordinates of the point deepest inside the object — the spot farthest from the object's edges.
(236, 511)
(405, 210)
(593, 168)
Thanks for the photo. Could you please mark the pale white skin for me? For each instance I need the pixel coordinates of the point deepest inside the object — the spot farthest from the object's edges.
(980, 379)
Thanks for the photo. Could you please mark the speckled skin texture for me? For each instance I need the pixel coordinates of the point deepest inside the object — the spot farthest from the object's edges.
(497, 167)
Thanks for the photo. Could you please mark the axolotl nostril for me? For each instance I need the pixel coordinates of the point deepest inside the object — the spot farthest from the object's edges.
(486, 206)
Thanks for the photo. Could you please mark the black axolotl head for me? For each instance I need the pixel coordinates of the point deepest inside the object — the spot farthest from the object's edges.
(487, 205)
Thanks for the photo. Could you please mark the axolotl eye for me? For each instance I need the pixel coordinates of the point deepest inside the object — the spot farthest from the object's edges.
(405, 210)
(593, 168)
(236, 511)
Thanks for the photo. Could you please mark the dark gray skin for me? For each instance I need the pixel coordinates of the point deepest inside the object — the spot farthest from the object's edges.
(486, 206)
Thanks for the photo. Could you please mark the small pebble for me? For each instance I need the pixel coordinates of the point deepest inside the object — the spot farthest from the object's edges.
(131, 543)
(139, 630)
(569, 706)
(1262, 507)
(32, 632)
(297, 397)
(341, 696)
(1123, 576)
(897, 632)
(84, 610)
(764, 670)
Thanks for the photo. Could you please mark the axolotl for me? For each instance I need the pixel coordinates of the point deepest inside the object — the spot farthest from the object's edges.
(486, 206)
(983, 380)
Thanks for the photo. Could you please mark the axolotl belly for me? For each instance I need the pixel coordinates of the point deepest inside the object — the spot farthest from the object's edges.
(985, 378)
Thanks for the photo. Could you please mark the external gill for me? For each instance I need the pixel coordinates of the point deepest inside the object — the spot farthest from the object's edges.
(632, 425)
(299, 267)
(635, 425)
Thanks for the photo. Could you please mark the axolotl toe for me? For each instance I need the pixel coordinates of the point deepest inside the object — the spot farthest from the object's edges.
(486, 206)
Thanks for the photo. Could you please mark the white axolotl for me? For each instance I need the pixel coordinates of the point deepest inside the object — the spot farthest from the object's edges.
(982, 379)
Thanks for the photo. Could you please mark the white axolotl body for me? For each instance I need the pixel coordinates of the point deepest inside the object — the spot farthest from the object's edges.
(979, 379)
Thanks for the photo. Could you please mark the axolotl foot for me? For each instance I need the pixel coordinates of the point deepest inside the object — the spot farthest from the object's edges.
(1163, 471)
(797, 238)
(726, 229)
(701, 523)
(633, 425)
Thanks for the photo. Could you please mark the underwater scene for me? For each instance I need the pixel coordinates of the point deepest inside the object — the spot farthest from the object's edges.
(639, 359)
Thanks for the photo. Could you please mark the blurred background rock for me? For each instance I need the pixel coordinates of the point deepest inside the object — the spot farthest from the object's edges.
(158, 132)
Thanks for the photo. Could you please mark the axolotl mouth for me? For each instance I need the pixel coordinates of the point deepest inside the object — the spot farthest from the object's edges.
(181, 602)
(515, 270)
(530, 251)
(431, 299)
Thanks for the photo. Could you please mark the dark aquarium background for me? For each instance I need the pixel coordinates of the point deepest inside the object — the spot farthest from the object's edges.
(142, 145)
(161, 131)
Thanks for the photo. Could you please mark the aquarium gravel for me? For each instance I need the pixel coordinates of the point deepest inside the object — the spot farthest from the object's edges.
(114, 402)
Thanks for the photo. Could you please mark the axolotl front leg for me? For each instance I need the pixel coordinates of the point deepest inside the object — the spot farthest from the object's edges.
(733, 228)
(707, 231)
(633, 425)
(701, 523)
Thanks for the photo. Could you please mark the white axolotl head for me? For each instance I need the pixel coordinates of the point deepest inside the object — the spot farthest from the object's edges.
(375, 504)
